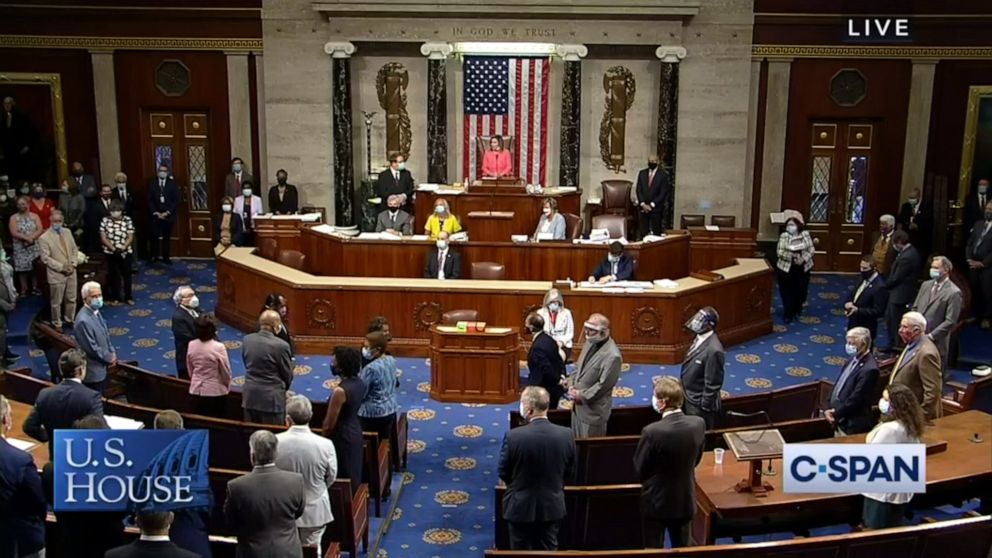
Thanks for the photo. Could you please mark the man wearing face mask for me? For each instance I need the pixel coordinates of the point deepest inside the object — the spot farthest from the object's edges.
(654, 186)
(882, 252)
(93, 337)
(591, 386)
(978, 253)
(901, 284)
(248, 206)
(974, 205)
(120, 192)
(703, 367)
(665, 460)
(235, 180)
(268, 372)
(854, 391)
(443, 262)
(536, 461)
(940, 300)
(85, 183)
(918, 366)
(184, 325)
(59, 254)
(394, 219)
(395, 180)
(545, 366)
(617, 266)
(163, 202)
(916, 219)
(283, 197)
(867, 303)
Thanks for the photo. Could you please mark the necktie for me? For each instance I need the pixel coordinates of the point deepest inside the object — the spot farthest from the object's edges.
(79, 180)
(161, 183)
(396, 176)
(650, 178)
(64, 247)
(237, 179)
(123, 194)
(440, 262)
(861, 289)
(106, 204)
(981, 200)
(895, 368)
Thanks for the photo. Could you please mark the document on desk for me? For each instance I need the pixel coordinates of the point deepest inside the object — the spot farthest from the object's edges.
(427, 187)
(121, 423)
(23, 445)
(420, 237)
(324, 229)
(370, 236)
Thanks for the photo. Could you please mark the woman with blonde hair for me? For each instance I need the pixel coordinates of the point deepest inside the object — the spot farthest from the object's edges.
(558, 322)
(442, 220)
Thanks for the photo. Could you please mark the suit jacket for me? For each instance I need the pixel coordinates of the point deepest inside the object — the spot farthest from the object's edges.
(93, 338)
(290, 200)
(164, 199)
(871, 305)
(923, 220)
(22, 516)
(403, 222)
(94, 214)
(59, 406)
(852, 404)
(941, 311)
(190, 532)
(702, 374)
(127, 199)
(237, 229)
(183, 331)
(452, 265)
(262, 508)
(625, 268)
(979, 246)
(974, 211)
(536, 461)
(150, 549)
(594, 379)
(87, 185)
(56, 260)
(901, 282)
(545, 367)
(268, 372)
(665, 461)
(920, 372)
(386, 186)
(232, 187)
(312, 456)
(657, 191)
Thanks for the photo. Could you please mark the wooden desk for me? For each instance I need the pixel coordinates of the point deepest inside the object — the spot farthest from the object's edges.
(19, 412)
(965, 469)
(475, 367)
(482, 210)
(714, 249)
(285, 230)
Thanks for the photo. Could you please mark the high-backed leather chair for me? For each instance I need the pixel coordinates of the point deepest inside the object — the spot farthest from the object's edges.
(615, 200)
(488, 270)
(692, 221)
(268, 248)
(616, 224)
(726, 221)
(452, 317)
(292, 258)
(573, 226)
(482, 145)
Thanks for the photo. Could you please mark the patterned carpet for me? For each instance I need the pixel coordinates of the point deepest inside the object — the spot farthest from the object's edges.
(446, 506)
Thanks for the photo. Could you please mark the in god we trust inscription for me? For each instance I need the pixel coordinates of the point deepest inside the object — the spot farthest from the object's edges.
(502, 32)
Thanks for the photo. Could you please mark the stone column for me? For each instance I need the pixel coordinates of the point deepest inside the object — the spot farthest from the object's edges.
(668, 116)
(261, 166)
(437, 111)
(917, 125)
(105, 95)
(239, 109)
(571, 113)
(752, 142)
(344, 172)
(773, 152)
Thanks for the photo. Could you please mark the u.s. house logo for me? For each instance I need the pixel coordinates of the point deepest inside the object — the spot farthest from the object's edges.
(845, 468)
(129, 470)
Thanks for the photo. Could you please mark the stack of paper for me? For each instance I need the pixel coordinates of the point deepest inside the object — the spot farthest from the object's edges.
(428, 187)
(121, 423)
(653, 238)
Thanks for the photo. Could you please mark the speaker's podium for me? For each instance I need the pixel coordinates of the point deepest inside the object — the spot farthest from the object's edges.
(472, 366)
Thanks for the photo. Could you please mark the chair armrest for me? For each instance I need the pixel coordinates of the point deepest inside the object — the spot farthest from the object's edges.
(957, 386)
(951, 407)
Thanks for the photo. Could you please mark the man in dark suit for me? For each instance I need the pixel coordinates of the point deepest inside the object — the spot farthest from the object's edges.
(283, 197)
(855, 390)
(236, 178)
(974, 204)
(163, 202)
(901, 284)
(545, 368)
(395, 180)
(84, 182)
(703, 367)
(96, 210)
(22, 515)
(268, 372)
(61, 405)
(93, 337)
(121, 192)
(617, 266)
(184, 325)
(262, 507)
(978, 253)
(394, 219)
(443, 262)
(665, 461)
(154, 541)
(535, 462)
(654, 186)
(189, 525)
(916, 218)
(867, 303)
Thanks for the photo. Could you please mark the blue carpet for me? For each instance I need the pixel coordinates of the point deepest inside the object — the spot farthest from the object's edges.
(446, 505)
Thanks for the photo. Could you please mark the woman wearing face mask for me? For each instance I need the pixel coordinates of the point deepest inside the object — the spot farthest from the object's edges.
(902, 422)
(551, 222)
(40, 205)
(209, 368)
(229, 229)
(378, 410)
(25, 228)
(558, 322)
(117, 238)
(795, 260)
(341, 423)
(248, 206)
(277, 302)
(442, 220)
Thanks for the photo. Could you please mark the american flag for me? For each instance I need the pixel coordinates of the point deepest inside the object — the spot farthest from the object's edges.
(507, 96)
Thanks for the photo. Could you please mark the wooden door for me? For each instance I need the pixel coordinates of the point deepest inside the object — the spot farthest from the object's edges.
(839, 187)
(181, 140)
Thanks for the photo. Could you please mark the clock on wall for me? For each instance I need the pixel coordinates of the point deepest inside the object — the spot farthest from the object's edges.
(848, 87)
(172, 78)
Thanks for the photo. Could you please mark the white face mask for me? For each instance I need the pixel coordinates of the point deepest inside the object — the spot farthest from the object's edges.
(851, 349)
(547, 211)
(655, 404)
(792, 229)
(884, 406)
(439, 209)
(934, 273)
(226, 208)
(115, 214)
(522, 413)
(246, 192)
(121, 185)
(442, 244)
(194, 302)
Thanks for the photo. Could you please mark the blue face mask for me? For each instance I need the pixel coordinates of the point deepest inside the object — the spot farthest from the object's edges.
(934, 273)
(57, 227)
(439, 209)
(851, 349)
(97, 303)
(884, 406)
(553, 306)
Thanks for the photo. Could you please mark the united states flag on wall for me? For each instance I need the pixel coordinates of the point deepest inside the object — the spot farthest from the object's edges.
(507, 96)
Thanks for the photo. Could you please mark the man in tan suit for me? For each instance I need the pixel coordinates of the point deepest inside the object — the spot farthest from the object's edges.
(918, 367)
(58, 253)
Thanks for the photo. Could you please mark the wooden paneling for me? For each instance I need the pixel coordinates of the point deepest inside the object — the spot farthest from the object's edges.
(475, 367)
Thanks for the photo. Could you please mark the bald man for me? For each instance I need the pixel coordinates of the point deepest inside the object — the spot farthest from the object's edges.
(591, 386)
(268, 372)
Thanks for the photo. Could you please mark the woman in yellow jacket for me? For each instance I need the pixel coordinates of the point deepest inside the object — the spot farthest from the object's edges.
(441, 220)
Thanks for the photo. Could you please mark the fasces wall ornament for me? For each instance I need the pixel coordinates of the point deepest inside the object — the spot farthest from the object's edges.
(321, 314)
(848, 87)
(645, 322)
(426, 314)
(619, 87)
(172, 78)
(390, 87)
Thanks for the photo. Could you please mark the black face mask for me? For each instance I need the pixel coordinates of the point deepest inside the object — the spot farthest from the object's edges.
(867, 274)
(77, 172)
(281, 180)
(652, 165)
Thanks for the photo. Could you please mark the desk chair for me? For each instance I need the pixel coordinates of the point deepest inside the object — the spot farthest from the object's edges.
(452, 317)
(616, 224)
(725, 221)
(269, 248)
(292, 258)
(488, 270)
(573, 226)
(692, 221)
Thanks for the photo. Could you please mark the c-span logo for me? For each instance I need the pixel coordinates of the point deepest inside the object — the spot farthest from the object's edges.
(129, 470)
(845, 468)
